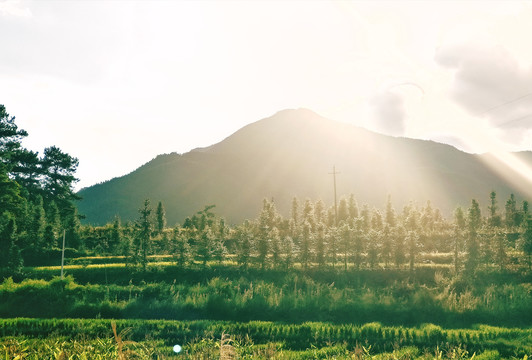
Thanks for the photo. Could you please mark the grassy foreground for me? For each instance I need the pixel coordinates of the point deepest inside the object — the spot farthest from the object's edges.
(154, 339)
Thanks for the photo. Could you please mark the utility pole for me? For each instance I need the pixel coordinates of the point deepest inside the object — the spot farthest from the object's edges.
(335, 206)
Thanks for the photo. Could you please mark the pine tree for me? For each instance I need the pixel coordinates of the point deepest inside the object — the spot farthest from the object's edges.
(366, 219)
(346, 242)
(205, 246)
(353, 208)
(399, 246)
(73, 229)
(181, 248)
(304, 251)
(294, 215)
(10, 257)
(459, 228)
(359, 243)
(144, 230)
(500, 252)
(287, 248)
(37, 225)
(390, 213)
(319, 212)
(510, 211)
(376, 220)
(527, 242)
(495, 218)
(343, 211)
(53, 218)
(320, 246)
(160, 215)
(244, 240)
(308, 214)
(332, 245)
(473, 248)
(10, 199)
(373, 248)
(116, 235)
(386, 250)
(411, 240)
(275, 242)
(219, 251)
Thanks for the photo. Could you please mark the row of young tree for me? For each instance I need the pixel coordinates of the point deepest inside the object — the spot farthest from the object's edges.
(36, 196)
(318, 236)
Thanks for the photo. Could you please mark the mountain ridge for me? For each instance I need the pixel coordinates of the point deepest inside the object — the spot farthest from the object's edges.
(291, 154)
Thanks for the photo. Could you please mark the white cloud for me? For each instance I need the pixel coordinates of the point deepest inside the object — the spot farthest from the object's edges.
(14, 8)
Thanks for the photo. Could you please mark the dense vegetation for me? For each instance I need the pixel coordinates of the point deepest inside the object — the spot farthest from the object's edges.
(326, 281)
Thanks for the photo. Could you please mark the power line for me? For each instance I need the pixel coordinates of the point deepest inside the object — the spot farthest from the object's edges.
(507, 103)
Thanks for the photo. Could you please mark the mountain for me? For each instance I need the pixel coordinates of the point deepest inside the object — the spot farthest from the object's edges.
(292, 154)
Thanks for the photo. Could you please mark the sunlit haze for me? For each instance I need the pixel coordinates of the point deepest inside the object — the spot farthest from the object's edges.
(115, 83)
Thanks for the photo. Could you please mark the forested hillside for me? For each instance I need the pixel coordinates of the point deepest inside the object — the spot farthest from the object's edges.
(291, 154)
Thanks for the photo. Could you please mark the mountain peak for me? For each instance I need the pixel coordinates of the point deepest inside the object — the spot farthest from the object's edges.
(291, 154)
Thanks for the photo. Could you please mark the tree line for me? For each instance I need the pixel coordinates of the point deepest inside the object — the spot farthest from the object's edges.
(36, 196)
(37, 202)
(314, 237)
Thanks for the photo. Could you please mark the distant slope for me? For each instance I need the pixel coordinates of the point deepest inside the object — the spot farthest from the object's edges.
(291, 154)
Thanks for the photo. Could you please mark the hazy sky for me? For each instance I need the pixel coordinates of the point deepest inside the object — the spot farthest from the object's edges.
(115, 83)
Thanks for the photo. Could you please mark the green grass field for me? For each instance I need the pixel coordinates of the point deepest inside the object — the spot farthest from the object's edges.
(223, 311)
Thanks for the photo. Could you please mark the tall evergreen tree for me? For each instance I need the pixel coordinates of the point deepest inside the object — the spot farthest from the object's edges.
(10, 138)
(346, 243)
(304, 251)
(390, 213)
(510, 211)
(37, 225)
(160, 215)
(473, 248)
(412, 239)
(308, 214)
(275, 242)
(205, 246)
(386, 250)
(459, 229)
(294, 214)
(320, 246)
(10, 258)
(181, 248)
(59, 179)
(73, 230)
(10, 199)
(501, 257)
(359, 242)
(495, 218)
(374, 240)
(144, 228)
(399, 246)
(333, 245)
(287, 248)
(353, 208)
(244, 239)
(527, 241)
(343, 211)
(116, 235)
(319, 213)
